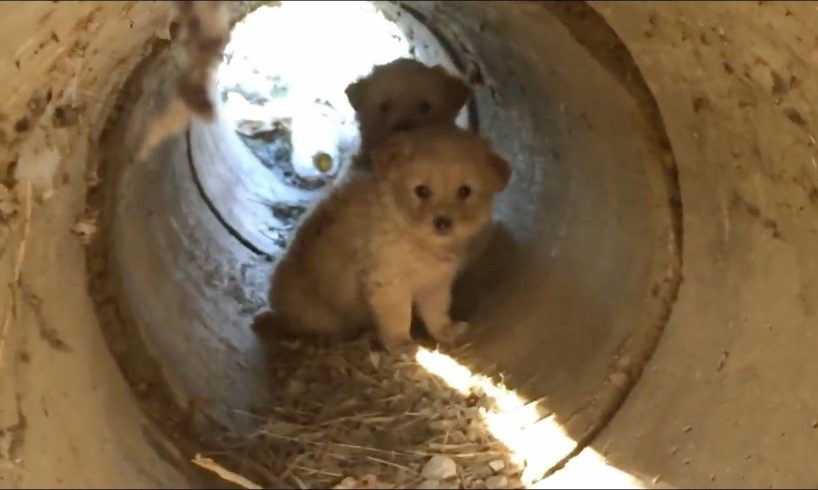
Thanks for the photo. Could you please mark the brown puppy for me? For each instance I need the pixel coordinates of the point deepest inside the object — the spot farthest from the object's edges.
(402, 95)
(383, 241)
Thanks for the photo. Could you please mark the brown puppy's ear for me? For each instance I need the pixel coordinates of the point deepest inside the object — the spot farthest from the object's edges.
(501, 171)
(391, 153)
(356, 94)
(456, 91)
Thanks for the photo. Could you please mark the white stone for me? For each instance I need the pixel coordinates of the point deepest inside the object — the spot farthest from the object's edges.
(439, 468)
(498, 481)
(347, 482)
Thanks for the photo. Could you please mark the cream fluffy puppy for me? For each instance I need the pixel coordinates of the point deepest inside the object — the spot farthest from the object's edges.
(402, 95)
(382, 242)
(405, 94)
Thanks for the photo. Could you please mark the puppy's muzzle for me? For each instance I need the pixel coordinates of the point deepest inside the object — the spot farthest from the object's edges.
(402, 126)
(442, 224)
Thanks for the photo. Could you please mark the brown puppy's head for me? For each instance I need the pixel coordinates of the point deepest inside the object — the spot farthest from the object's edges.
(443, 180)
(402, 95)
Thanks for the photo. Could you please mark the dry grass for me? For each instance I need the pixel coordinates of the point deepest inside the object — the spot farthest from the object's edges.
(348, 416)
(224, 473)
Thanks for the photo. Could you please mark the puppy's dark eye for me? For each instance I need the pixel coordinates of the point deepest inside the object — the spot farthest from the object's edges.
(464, 192)
(425, 107)
(384, 107)
(423, 191)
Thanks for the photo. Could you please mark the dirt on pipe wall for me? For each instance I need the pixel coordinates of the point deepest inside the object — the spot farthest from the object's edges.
(662, 224)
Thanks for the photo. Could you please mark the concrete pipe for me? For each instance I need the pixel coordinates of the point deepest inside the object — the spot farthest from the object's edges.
(654, 279)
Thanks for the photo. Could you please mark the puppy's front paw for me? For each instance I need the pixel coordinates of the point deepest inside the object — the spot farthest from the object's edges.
(398, 345)
(262, 321)
(451, 332)
(266, 323)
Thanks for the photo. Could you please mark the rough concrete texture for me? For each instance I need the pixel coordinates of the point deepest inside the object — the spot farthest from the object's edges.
(665, 193)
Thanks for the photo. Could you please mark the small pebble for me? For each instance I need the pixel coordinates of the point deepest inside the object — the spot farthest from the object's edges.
(347, 482)
(497, 481)
(439, 468)
(457, 437)
(497, 465)
(618, 379)
(482, 472)
(474, 431)
(375, 358)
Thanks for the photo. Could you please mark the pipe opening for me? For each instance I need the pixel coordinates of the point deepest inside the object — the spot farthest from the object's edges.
(565, 303)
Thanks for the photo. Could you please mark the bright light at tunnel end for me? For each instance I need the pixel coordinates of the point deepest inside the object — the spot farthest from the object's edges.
(313, 50)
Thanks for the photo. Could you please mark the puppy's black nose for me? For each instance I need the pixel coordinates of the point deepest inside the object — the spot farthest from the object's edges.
(402, 126)
(442, 223)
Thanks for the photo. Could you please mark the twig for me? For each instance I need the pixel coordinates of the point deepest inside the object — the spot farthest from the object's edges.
(248, 414)
(259, 468)
(410, 422)
(299, 482)
(224, 473)
(390, 463)
(320, 472)
(397, 396)
(449, 447)
(357, 418)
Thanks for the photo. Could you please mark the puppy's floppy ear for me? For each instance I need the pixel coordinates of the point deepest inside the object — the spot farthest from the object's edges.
(500, 169)
(456, 91)
(356, 93)
(391, 153)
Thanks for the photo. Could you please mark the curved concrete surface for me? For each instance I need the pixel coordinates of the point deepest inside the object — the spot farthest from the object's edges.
(654, 275)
